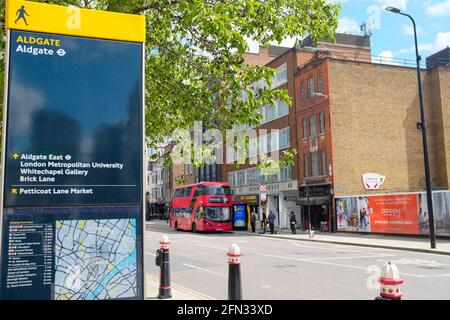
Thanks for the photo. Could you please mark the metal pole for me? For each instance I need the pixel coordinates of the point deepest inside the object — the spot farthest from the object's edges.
(421, 125)
(309, 213)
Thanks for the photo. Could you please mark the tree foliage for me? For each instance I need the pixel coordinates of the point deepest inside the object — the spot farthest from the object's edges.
(195, 49)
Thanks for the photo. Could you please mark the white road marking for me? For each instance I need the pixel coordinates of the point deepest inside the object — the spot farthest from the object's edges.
(340, 265)
(354, 257)
(295, 243)
(213, 247)
(151, 254)
(205, 270)
(414, 261)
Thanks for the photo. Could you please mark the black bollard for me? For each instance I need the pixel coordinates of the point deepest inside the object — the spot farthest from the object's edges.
(234, 273)
(162, 260)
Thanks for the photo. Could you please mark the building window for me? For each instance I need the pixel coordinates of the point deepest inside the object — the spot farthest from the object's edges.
(324, 163)
(282, 108)
(319, 84)
(286, 173)
(213, 172)
(280, 76)
(322, 123)
(306, 165)
(232, 178)
(285, 138)
(263, 144)
(303, 91)
(310, 88)
(207, 172)
(252, 176)
(315, 164)
(241, 178)
(313, 126)
(305, 128)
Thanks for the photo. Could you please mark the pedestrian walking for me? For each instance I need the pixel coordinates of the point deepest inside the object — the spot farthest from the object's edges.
(253, 221)
(264, 223)
(293, 221)
(271, 219)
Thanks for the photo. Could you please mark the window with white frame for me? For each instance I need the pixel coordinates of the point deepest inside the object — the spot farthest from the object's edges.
(281, 76)
(303, 91)
(322, 123)
(285, 138)
(240, 178)
(263, 144)
(313, 126)
(232, 178)
(324, 162)
(305, 128)
(251, 176)
(310, 88)
(253, 147)
(306, 165)
(285, 173)
(314, 164)
(270, 113)
(282, 109)
(319, 84)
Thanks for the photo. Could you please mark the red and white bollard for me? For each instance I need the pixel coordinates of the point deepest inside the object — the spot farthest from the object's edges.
(162, 260)
(234, 273)
(390, 283)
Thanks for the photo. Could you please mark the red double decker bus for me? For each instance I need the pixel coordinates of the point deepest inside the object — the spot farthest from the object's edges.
(204, 206)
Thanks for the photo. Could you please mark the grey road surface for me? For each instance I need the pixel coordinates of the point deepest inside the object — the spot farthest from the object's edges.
(292, 269)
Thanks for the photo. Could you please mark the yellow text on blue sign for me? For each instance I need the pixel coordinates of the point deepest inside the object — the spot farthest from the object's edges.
(47, 18)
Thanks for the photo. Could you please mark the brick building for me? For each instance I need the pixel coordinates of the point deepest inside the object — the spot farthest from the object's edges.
(366, 116)
(293, 66)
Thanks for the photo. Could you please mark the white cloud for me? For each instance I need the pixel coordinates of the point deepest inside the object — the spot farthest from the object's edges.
(441, 41)
(439, 9)
(400, 4)
(385, 57)
(409, 30)
(347, 25)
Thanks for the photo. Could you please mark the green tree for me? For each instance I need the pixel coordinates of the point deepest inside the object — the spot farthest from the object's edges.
(195, 67)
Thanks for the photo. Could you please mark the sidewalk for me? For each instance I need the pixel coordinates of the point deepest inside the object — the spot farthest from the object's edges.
(408, 243)
(178, 292)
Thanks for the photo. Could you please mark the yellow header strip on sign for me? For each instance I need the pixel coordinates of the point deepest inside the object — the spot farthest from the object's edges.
(47, 18)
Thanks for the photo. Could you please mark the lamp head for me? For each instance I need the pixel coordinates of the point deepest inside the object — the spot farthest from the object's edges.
(393, 10)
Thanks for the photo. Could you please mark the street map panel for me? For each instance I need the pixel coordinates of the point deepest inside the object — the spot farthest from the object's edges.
(95, 259)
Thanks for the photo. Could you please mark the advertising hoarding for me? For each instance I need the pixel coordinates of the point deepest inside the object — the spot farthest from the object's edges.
(394, 214)
(239, 215)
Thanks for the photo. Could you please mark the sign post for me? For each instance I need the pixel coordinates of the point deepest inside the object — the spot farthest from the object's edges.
(73, 160)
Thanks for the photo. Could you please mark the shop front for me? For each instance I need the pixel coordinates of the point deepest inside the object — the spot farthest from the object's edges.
(280, 198)
(316, 207)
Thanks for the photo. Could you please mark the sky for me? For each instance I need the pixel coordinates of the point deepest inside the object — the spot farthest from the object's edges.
(392, 34)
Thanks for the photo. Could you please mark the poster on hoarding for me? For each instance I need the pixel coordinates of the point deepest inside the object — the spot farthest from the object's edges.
(393, 214)
(353, 214)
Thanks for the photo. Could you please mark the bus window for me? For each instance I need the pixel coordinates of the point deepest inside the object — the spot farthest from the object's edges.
(217, 213)
(188, 192)
(218, 190)
(178, 193)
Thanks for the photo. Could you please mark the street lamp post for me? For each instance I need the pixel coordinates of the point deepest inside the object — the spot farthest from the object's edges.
(422, 127)
(309, 213)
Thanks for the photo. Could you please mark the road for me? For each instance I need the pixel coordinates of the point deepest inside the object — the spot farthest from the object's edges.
(283, 269)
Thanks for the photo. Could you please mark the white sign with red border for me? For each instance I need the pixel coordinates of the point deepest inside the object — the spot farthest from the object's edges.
(373, 181)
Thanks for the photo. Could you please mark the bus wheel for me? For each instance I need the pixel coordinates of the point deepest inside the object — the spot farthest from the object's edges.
(176, 225)
(194, 228)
